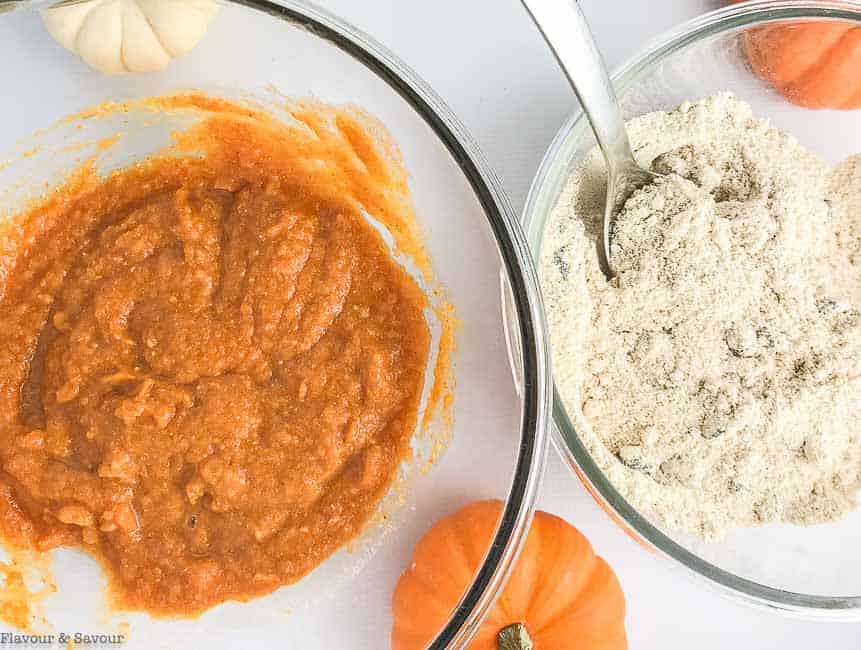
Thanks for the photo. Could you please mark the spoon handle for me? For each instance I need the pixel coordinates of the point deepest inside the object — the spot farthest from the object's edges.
(567, 33)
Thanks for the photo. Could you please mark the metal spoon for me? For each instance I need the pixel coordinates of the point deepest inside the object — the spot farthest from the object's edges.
(567, 33)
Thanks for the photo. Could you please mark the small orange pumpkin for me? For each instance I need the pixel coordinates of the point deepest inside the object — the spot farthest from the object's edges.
(560, 593)
(815, 64)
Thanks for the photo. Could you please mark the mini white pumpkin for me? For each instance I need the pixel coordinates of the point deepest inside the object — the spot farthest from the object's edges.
(117, 36)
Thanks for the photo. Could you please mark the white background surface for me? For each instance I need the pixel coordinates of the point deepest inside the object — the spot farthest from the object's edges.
(487, 61)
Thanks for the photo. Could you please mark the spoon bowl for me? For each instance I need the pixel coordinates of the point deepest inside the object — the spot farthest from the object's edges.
(622, 182)
(566, 31)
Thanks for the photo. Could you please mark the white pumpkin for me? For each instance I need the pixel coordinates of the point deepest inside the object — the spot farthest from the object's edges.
(117, 36)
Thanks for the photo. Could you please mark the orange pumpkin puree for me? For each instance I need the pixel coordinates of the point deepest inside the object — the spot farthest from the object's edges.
(210, 364)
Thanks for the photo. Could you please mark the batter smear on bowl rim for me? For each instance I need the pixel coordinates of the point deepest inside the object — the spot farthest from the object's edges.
(211, 366)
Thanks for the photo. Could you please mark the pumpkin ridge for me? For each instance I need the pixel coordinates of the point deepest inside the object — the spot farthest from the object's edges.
(564, 587)
(106, 6)
(408, 589)
(154, 31)
(414, 581)
(438, 575)
(468, 539)
(584, 575)
(535, 586)
(854, 101)
(474, 540)
(123, 9)
(525, 578)
(766, 46)
(757, 45)
(813, 64)
(602, 606)
(433, 591)
(456, 562)
(800, 87)
(135, 7)
(470, 533)
(400, 638)
(87, 18)
(458, 554)
(756, 60)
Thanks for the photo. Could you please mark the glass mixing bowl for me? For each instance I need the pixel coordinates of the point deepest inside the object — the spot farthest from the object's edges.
(265, 51)
(812, 570)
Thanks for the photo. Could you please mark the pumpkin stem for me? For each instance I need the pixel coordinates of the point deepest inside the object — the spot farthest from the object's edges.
(514, 637)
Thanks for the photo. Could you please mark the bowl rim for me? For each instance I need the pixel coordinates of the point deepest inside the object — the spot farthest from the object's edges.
(517, 267)
(552, 173)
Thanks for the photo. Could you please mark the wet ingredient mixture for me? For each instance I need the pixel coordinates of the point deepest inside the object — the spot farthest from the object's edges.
(210, 365)
(717, 378)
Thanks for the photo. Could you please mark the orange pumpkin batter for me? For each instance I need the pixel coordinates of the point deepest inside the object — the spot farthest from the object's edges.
(210, 366)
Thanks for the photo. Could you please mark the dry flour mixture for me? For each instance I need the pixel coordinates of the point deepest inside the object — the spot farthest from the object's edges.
(716, 379)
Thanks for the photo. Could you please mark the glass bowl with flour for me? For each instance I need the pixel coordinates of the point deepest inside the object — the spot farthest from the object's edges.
(709, 395)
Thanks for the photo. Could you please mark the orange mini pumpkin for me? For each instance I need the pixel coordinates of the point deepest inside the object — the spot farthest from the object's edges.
(815, 64)
(560, 591)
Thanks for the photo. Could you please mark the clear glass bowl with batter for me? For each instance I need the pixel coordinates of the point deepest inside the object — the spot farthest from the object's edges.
(258, 49)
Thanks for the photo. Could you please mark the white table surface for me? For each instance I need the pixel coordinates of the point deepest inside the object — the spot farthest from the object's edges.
(490, 65)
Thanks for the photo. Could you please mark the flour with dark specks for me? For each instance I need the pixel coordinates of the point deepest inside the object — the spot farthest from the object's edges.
(716, 378)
